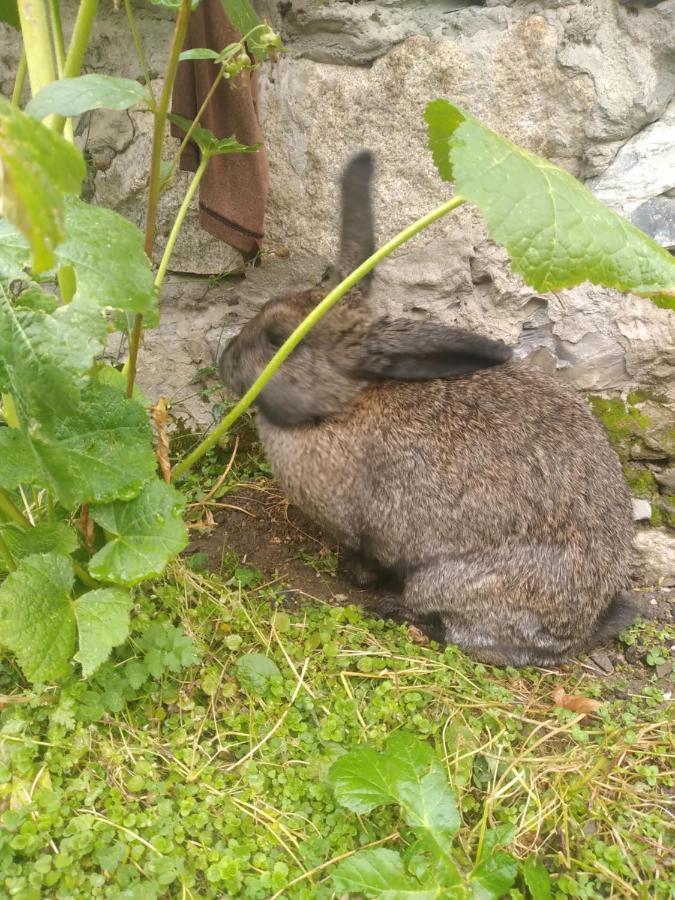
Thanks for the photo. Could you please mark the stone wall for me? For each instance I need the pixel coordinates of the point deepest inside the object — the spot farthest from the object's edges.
(586, 83)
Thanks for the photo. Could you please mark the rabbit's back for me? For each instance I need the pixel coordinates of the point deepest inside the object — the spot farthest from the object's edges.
(501, 456)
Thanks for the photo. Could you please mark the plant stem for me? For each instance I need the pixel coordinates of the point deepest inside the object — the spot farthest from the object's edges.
(57, 33)
(59, 53)
(139, 46)
(11, 512)
(84, 576)
(20, 79)
(182, 212)
(305, 326)
(200, 112)
(78, 46)
(37, 44)
(80, 38)
(6, 554)
(179, 33)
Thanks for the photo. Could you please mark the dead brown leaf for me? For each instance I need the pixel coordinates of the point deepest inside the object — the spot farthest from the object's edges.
(583, 705)
(160, 416)
(417, 636)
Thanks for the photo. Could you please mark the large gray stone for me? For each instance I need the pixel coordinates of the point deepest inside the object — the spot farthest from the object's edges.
(642, 170)
(586, 83)
(655, 551)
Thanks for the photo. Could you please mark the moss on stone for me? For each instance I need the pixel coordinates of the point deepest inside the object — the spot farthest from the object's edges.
(667, 509)
(640, 480)
(623, 422)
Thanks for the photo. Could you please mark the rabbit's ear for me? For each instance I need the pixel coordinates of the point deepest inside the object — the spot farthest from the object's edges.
(407, 350)
(357, 231)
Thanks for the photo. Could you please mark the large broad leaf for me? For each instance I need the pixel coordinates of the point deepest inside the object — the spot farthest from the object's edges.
(380, 873)
(493, 877)
(105, 250)
(39, 167)
(9, 13)
(100, 453)
(45, 537)
(17, 463)
(103, 623)
(74, 96)
(407, 773)
(557, 233)
(14, 253)
(144, 534)
(36, 616)
(537, 879)
(44, 357)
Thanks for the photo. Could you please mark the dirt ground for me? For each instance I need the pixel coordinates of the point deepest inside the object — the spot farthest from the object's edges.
(270, 535)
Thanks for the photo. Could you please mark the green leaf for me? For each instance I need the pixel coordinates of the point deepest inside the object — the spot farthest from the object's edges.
(9, 13)
(115, 378)
(380, 873)
(44, 357)
(145, 533)
(106, 252)
(14, 253)
(407, 773)
(208, 143)
(34, 299)
(45, 537)
(103, 623)
(501, 836)
(17, 463)
(36, 617)
(245, 19)
(492, 878)
(442, 120)
(557, 233)
(198, 53)
(536, 878)
(254, 672)
(102, 452)
(74, 96)
(39, 167)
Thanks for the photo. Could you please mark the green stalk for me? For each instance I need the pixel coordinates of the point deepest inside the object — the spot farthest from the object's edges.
(11, 512)
(37, 44)
(195, 122)
(153, 187)
(6, 554)
(9, 411)
(305, 326)
(77, 47)
(59, 53)
(139, 46)
(20, 79)
(57, 32)
(182, 212)
(80, 38)
(84, 576)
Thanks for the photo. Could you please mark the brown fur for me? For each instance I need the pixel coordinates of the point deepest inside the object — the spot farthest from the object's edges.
(483, 487)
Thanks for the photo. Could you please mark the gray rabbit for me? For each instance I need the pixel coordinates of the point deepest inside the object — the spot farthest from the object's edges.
(480, 487)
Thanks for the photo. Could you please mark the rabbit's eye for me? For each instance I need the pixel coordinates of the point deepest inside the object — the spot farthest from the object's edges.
(275, 337)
